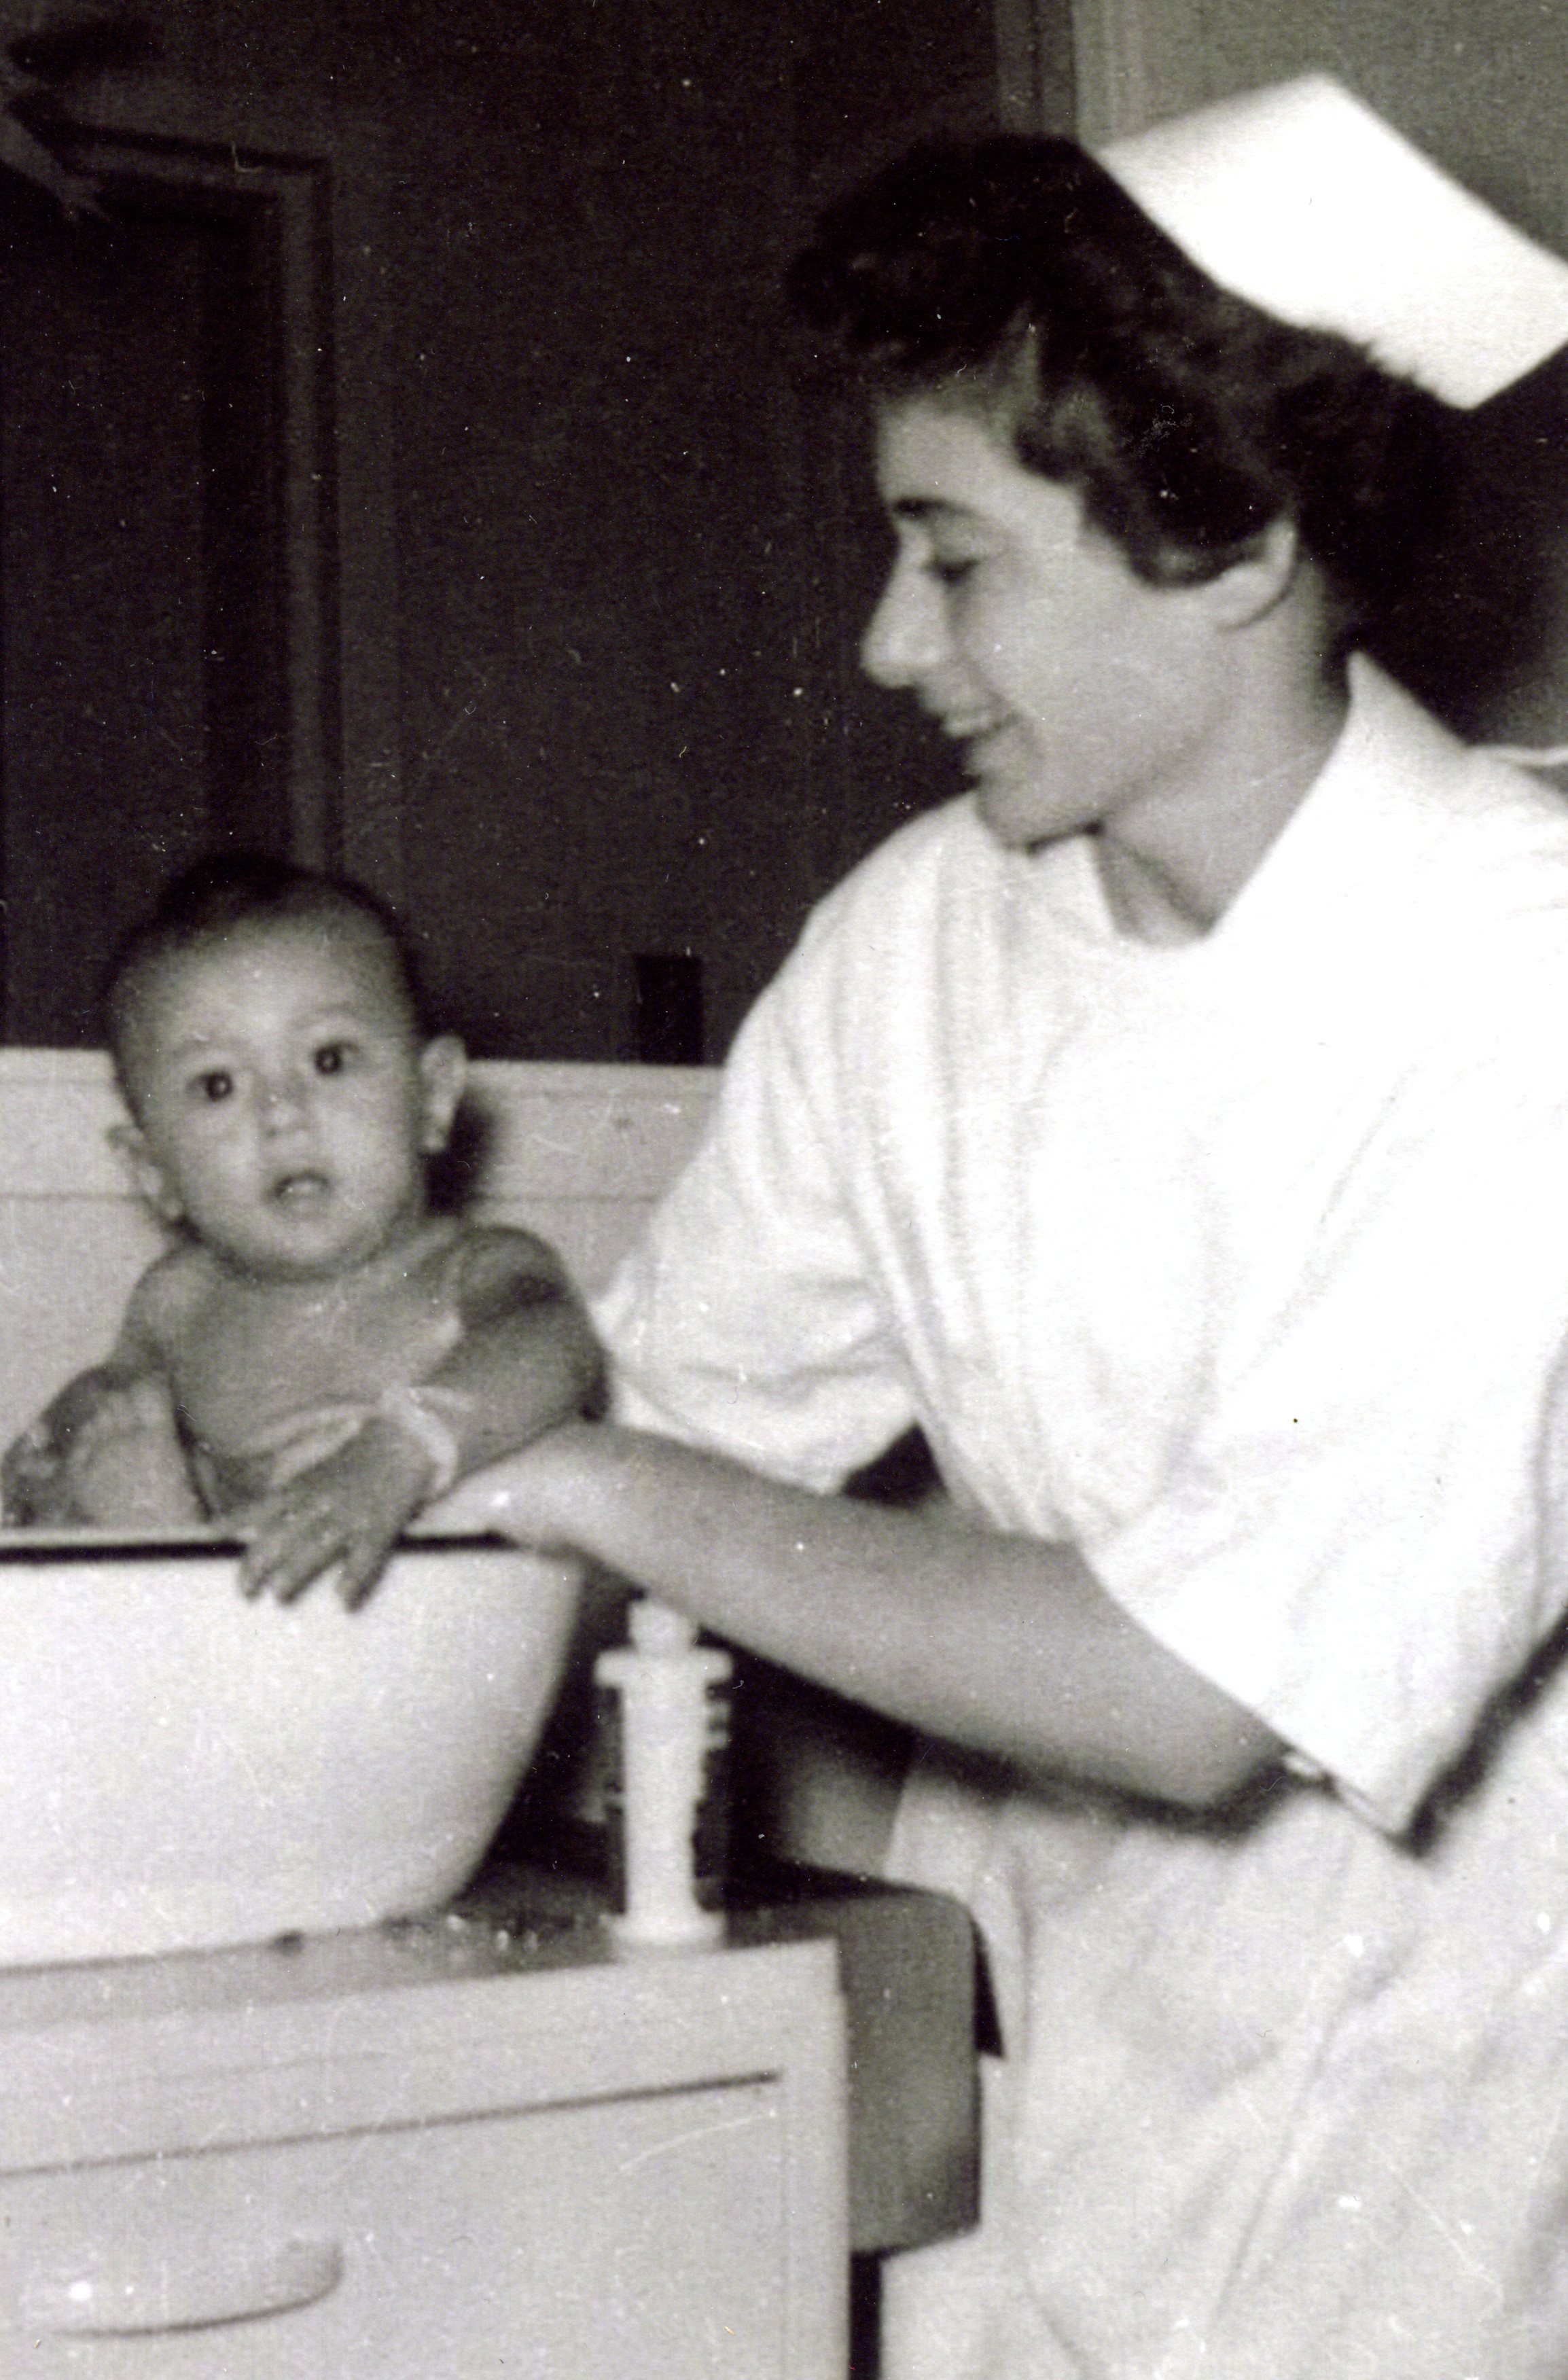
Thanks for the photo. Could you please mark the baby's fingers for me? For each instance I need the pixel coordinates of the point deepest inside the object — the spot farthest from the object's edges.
(363, 1563)
(289, 1548)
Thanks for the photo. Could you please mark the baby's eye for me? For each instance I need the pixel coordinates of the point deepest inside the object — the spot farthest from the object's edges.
(216, 1084)
(952, 569)
(333, 1057)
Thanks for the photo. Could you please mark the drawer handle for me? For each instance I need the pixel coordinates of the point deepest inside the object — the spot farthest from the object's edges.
(121, 2302)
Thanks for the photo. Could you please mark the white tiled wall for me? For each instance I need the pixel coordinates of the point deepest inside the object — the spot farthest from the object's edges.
(577, 1153)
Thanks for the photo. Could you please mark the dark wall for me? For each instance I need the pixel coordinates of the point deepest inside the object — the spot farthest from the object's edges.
(630, 570)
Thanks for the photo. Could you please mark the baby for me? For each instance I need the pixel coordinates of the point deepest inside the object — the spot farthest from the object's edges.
(316, 1352)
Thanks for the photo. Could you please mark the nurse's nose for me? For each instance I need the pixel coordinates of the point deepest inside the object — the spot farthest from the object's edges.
(906, 638)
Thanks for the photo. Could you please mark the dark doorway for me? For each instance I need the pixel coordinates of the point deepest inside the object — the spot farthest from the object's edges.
(143, 643)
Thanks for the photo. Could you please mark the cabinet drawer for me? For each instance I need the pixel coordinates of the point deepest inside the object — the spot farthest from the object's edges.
(646, 2235)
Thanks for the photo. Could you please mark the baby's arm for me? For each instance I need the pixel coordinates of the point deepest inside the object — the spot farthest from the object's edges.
(525, 1360)
(106, 1450)
(528, 1357)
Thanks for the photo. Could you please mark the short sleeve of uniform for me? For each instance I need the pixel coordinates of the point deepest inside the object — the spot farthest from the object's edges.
(1355, 1538)
(748, 1319)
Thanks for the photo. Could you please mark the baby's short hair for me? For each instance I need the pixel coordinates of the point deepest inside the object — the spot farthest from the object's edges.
(227, 891)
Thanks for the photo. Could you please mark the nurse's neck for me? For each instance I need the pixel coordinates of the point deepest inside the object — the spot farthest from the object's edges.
(1172, 865)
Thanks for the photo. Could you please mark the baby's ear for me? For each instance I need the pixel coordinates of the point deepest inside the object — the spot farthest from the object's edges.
(443, 1070)
(150, 1181)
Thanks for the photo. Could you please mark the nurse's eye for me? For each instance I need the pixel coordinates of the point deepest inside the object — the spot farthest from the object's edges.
(216, 1084)
(952, 570)
(333, 1057)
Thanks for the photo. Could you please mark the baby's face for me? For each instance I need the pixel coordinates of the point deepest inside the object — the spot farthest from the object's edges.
(284, 1104)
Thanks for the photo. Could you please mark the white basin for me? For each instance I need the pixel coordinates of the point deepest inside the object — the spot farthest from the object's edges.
(180, 1767)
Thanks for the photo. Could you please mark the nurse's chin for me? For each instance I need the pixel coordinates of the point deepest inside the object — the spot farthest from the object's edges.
(1018, 817)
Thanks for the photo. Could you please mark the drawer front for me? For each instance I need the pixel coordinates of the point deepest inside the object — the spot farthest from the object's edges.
(644, 2236)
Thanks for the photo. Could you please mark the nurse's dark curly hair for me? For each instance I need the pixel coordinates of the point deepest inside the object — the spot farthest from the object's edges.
(1016, 277)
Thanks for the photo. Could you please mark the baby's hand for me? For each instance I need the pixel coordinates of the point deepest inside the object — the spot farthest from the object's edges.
(346, 1512)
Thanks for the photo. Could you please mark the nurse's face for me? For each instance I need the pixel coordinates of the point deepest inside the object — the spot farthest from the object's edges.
(1080, 694)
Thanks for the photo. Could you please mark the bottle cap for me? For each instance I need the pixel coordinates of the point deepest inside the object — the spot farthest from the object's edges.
(655, 1628)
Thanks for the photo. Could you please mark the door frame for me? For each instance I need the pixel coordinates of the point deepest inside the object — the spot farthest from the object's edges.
(324, 176)
(1133, 62)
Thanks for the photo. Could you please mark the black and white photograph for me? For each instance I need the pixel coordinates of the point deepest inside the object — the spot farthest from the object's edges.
(783, 1190)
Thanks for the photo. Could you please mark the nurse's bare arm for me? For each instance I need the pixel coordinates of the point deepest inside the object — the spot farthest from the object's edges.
(105, 1452)
(1003, 1645)
(525, 1360)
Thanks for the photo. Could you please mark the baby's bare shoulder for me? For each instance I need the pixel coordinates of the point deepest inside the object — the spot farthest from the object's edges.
(172, 1299)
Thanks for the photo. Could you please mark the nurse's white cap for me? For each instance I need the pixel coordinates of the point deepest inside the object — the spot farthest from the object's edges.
(1300, 199)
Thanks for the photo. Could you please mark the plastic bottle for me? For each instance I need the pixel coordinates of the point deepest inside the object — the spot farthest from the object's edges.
(665, 1798)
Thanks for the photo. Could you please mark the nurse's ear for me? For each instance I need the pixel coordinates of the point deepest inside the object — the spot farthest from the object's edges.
(1251, 588)
(150, 1181)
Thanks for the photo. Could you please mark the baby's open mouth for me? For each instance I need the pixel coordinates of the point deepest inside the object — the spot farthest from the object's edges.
(290, 1189)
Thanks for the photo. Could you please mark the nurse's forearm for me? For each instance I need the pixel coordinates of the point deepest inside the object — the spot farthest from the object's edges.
(1003, 1645)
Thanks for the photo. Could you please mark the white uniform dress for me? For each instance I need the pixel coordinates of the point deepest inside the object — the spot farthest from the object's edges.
(1242, 1266)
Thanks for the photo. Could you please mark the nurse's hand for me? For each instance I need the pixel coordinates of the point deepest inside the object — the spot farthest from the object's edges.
(543, 1495)
(345, 1514)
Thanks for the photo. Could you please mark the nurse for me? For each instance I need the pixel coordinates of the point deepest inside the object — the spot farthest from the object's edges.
(1176, 1128)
